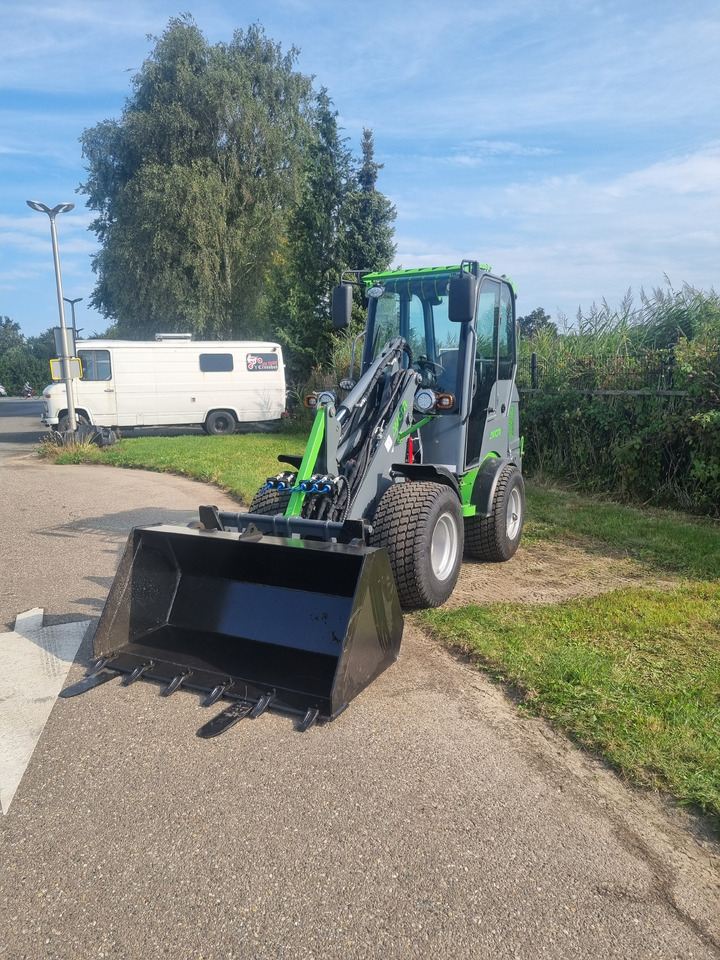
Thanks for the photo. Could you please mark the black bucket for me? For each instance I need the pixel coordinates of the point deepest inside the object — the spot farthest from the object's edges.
(306, 623)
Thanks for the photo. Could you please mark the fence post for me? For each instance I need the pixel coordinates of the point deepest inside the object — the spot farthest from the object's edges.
(533, 371)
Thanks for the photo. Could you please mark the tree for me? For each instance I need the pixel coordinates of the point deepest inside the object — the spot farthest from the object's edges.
(368, 216)
(341, 222)
(22, 359)
(536, 322)
(192, 184)
(10, 335)
(309, 261)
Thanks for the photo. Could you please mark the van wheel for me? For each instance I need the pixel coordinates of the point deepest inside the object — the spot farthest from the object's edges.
(64, 422)
(220, 423)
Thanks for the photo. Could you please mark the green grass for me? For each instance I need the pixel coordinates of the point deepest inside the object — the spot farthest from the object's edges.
(239, 464)
(663, 539)
(633, 675)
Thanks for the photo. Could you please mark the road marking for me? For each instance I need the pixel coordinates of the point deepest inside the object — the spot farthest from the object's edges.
(34, 662)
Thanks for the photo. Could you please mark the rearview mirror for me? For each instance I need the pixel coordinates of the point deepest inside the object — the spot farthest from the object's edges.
(341, 306)
(461, 297)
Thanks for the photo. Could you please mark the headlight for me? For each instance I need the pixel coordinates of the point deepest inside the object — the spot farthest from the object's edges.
(326, 397)
(425, 400)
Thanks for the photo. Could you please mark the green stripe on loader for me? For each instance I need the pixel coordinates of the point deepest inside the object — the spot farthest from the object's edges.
(307, 467)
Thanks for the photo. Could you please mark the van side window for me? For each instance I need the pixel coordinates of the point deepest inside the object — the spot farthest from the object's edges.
(95, 364)
(216, 362)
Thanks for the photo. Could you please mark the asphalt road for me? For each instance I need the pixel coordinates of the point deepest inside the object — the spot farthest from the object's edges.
(429, 820)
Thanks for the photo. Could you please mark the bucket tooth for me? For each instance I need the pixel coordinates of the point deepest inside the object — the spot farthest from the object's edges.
(308, 720)
(262, 705)
(176, 683)
(217, 692)
(138, 672)
(223, 721)
(92, 680)
(97, 665)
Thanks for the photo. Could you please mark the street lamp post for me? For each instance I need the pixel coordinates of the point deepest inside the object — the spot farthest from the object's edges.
(72, 306)
(52, 213)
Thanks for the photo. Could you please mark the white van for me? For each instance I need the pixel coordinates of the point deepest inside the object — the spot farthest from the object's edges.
(173, 381)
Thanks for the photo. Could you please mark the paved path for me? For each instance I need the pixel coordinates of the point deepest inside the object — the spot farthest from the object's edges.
(429, 820)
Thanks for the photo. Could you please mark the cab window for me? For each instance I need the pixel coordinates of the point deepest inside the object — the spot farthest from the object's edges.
(95, 364)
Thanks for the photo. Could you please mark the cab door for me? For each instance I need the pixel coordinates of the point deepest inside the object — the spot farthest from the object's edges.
(494, 372)
(95, 392)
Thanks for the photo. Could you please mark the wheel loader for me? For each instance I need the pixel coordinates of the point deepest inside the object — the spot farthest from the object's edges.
(297, 604)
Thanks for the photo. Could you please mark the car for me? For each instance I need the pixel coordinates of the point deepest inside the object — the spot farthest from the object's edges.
(3, 391)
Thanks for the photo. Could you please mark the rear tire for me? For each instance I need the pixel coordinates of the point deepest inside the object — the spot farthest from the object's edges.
(270, 502)
(496, 538)
(220, 423)
(421, 526)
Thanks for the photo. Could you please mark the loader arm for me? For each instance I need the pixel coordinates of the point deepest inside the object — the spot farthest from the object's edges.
(349, 455)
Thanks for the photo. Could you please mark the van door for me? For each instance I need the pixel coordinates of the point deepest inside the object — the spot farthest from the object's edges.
(95, 392)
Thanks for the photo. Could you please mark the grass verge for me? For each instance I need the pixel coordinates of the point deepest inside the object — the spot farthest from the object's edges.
(633, 674)
(663, 539)
(239, 464)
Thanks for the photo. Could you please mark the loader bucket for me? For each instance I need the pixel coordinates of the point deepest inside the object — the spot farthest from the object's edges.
(300, 625)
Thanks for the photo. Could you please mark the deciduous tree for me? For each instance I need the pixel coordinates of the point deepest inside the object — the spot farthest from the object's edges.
(191, 185)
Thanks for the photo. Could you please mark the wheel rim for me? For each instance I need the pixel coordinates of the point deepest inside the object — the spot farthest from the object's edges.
(514, 514)
(444, 546)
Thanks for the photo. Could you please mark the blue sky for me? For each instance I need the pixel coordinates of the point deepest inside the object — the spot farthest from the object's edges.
(573, 145)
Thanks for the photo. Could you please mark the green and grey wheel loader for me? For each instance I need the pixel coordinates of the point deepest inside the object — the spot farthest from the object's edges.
(297, 604)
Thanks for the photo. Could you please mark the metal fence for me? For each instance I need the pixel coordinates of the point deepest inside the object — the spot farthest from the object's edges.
(650, 372)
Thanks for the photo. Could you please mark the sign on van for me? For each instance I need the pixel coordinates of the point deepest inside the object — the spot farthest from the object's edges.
(261, 362)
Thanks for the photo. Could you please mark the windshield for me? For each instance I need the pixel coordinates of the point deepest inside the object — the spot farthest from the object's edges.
(417, 310)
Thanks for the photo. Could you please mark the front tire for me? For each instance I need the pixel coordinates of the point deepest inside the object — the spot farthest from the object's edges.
(496, 538)
(220, 423)
(420, 524)
(271, 502)
(64, 422)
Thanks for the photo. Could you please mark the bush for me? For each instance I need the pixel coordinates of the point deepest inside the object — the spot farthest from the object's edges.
(653, 448)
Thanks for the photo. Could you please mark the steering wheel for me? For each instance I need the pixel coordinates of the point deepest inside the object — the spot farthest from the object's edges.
(422, 363)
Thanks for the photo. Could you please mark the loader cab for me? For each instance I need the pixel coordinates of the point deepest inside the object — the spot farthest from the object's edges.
(472, 361)
(414, 306)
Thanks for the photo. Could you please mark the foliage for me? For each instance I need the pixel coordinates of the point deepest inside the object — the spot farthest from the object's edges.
(190, 186)
(536, 322)
(341, 222)
(656, 448)
(310, 259)
(24, 359)
(368, 216)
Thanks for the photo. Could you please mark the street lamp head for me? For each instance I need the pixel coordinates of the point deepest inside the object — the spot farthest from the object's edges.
(43, 208)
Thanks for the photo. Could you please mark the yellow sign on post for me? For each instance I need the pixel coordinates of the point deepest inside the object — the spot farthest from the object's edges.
(56, 370)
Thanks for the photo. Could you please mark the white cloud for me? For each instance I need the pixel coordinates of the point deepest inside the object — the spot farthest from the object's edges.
(570, 240)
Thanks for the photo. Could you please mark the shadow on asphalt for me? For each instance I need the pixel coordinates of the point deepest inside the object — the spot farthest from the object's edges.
(121, 523)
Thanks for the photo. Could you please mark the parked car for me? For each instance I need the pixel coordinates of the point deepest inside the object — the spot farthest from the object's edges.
(3, 391)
